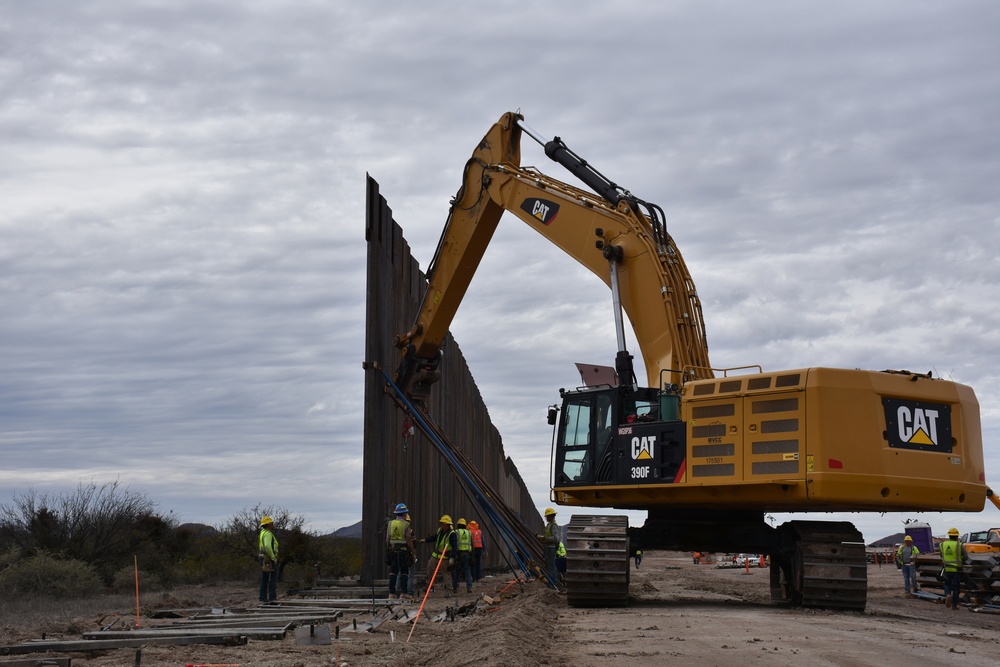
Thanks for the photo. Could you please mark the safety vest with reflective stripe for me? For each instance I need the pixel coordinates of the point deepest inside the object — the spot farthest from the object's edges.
(477, 538)
(551, 534)
(951, 554)
(561, 551)
(463, 539)
(441, 543)
(268, 544)
(397, 532)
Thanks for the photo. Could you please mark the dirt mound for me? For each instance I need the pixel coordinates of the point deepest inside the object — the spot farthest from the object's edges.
(513, 634)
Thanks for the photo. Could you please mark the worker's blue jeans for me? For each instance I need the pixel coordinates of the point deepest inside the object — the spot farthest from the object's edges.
(909, 578)
(462, 566)
(477, 564)
(400, 561)
(550, 564)
(269, 585)
(952, 584)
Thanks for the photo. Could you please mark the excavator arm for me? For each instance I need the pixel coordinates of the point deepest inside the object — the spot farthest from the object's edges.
(617, 236)
(993, 498)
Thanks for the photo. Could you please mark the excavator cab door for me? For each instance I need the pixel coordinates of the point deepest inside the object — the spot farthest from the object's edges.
(613, 435)
(576, 435)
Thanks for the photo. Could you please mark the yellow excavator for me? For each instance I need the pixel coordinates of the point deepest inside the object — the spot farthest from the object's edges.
(707, 451)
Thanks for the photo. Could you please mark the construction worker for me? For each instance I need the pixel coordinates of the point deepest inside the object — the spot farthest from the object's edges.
(267, 554)
(550, 540)
(411, 574)
(904, 559)
(402, 551)
(461, 549)
(638, 558)
(953, 557)
(478, 545)
(442, 548)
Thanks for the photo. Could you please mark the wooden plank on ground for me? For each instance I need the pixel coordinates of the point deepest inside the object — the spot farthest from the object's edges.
(274, 632)
(36, 662)
(103, 644)
(257, 621)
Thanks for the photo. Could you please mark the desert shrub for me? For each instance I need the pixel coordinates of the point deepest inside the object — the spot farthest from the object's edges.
(124, 581)
(10, 557)
(339, 556)
(44, 574)
(104, 525)
(216, 567)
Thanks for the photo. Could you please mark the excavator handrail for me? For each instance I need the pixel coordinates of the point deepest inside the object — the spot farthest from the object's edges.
(689, 375)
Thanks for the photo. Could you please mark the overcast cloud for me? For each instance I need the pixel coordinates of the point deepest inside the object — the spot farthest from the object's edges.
(182, 254)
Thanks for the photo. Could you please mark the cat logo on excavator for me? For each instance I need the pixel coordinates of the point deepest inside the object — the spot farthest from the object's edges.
(542, 210)
(642, 448)
(918, 425)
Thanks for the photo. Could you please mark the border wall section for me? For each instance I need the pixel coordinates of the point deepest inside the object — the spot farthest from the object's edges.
(410, 470)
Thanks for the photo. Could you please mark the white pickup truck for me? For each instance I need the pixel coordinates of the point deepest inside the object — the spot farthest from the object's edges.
(741, 560)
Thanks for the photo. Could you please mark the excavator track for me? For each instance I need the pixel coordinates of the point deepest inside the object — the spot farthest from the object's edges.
(822, 564)
(597, 561)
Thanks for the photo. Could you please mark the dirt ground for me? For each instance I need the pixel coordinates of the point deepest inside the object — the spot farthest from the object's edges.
(679, 613)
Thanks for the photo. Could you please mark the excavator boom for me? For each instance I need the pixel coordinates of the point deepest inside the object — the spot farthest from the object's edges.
(608, 234)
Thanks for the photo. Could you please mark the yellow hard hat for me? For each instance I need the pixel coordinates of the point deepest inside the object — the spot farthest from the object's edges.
(461, 522)
(445, 519)
(907, 539)
(953, 531)
(266, 521)
(550, 512)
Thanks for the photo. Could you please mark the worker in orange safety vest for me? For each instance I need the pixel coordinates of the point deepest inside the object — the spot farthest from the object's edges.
(478, 546)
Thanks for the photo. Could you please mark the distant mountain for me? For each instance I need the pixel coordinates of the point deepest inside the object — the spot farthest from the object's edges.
(889, 540)
(198, 529)
(349, 531)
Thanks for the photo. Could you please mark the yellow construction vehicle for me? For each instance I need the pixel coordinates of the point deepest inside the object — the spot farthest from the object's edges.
(982, 541)
(706, 451)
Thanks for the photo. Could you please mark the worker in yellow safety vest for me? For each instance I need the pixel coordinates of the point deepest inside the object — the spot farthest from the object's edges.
(442, 548)
(401, 551)
(953, 557)
(461, 549)
(267, 554)
(905, 556)
(550, 541)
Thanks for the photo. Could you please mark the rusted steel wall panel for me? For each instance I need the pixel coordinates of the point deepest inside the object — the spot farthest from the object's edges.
(414, 472)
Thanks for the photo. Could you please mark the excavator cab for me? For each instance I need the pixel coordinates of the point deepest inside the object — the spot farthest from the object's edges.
(617, 435)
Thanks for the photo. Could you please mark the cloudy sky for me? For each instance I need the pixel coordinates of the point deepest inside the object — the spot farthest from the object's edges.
(182, 254)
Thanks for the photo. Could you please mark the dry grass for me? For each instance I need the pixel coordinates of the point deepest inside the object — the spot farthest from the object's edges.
(30, 617)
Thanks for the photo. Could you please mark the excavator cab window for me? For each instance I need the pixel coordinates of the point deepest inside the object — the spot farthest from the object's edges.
(573, 444)
(640, 409)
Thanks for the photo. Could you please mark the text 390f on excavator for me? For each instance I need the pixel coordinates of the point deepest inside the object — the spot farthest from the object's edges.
(707, 452)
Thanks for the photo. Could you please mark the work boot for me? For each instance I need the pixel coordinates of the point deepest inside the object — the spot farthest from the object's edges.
(955, 607)
(947, 602)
